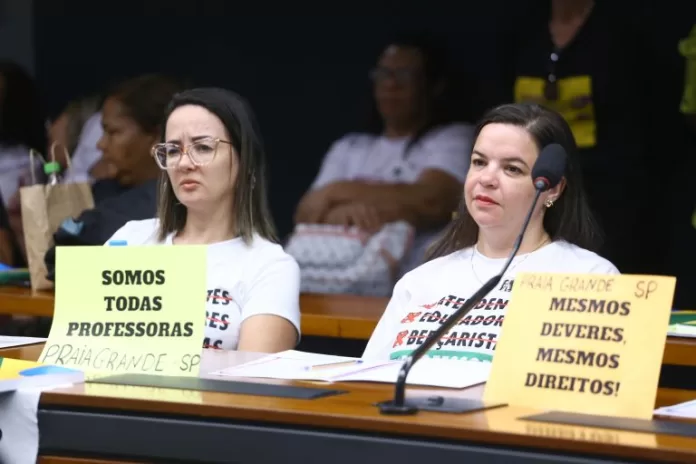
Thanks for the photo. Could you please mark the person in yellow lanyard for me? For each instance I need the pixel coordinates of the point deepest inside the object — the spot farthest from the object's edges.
(687, 48)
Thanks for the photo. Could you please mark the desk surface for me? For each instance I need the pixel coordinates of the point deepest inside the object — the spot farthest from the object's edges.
(336, 316)
(345, 417)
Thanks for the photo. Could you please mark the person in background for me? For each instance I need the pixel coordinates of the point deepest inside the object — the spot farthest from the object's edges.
(561, 237)
(131, 118)
(213, 192)
(64, 136)
(78, 129)
(587, 60)
(7, 249)
(412, 161)
(21, 126)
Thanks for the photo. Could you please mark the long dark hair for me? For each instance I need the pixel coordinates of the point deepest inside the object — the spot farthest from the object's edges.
(570, 218)
(250, 209)
(437, 71)
(21, 118)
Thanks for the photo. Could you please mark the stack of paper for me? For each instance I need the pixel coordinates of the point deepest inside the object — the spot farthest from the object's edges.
(297, 365)
(682, 324)
(685, 410)
(10, 342)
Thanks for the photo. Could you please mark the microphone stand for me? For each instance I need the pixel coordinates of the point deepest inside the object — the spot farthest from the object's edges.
(399, 405)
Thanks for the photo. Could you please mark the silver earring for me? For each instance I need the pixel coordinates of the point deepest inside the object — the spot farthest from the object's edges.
(548, 203)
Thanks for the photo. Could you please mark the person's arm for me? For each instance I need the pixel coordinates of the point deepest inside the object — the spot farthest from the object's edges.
(314, 205)
(271, 309)
(427, 203)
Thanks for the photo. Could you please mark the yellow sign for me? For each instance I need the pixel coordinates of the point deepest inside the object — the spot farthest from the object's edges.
(589, 344)
(132, 309)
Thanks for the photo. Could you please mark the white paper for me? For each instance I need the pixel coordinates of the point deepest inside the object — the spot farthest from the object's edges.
(295, 365)
(9, 342)
(445, 373)
(19, 443)
(681, 330)
(685, 410)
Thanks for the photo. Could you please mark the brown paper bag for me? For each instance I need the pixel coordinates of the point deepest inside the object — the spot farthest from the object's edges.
(44, 208)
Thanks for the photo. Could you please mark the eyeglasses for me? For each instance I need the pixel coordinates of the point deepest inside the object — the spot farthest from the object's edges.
(201, 152)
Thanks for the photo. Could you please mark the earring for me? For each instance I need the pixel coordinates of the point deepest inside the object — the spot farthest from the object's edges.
(548, 203)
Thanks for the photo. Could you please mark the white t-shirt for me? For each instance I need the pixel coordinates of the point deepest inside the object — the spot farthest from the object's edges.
(243, 281)
(365, 157)
(426, 296)
(14, 164)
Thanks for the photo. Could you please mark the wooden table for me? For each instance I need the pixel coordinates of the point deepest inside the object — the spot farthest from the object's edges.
(136, 423)
(335, 316)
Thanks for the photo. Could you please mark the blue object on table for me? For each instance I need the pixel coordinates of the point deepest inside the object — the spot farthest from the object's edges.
(118, 243)
(72, 227)
(5, 267)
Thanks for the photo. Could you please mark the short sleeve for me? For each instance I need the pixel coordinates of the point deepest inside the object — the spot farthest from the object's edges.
(604, 266)
(378, 347)
(334, 167)
(275, 290)
(136, 232)
(449, 150)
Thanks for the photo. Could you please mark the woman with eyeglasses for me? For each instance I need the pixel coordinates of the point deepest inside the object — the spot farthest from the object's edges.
(212, 191)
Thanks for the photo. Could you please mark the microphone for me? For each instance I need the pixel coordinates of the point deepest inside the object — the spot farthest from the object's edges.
(547, 172)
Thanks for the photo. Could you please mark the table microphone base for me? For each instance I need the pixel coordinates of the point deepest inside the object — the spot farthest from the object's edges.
(436, 404)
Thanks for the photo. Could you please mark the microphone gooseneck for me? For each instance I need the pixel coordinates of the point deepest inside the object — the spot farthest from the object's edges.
(546, 174)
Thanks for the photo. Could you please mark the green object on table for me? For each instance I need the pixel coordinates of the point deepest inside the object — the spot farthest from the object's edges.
(682, 323)
(13, 276)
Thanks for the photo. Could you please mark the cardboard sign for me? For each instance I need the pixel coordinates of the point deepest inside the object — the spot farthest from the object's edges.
(135, 309)
(590, 344)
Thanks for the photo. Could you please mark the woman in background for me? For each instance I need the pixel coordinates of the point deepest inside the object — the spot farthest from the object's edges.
(21, 126)
(213, 192)
(410, 164)
(561, 237)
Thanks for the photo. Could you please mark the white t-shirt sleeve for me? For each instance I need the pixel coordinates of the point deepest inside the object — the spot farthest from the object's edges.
(378, 346)
(602, 266)
(136, 232)
(335, 164)
(275, 290)
(449, 150)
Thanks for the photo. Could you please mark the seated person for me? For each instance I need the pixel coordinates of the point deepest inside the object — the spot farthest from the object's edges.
(7, 248)
(410, 165)
(213, 192)
(131, 117)
(21, 126)
(497, 195)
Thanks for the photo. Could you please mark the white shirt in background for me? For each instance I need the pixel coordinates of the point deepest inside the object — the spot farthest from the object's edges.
(376, 158)
(14, 164)
(426, 296)
(243, 281)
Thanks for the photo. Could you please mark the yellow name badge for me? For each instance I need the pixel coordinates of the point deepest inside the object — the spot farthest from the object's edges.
(590, 344)
(132, 309)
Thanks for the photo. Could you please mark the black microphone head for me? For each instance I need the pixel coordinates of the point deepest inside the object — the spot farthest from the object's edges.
(549, 167)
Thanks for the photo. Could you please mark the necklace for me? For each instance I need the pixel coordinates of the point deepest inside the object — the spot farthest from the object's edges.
(514, 265)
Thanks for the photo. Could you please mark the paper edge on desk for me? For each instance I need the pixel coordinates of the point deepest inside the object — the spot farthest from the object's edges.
(22, 341)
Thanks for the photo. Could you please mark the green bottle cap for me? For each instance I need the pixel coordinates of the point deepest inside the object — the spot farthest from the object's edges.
(51, 168)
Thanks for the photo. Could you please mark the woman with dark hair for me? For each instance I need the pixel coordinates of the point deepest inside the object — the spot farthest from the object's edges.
(212, 191)
(497, 195)
(21, 126)
(409, 164)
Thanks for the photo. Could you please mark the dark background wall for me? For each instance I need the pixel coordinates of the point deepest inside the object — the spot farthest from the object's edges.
(305, 75)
